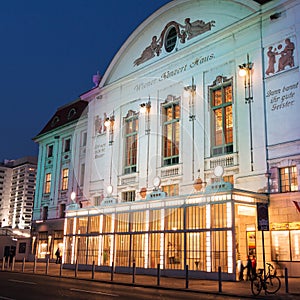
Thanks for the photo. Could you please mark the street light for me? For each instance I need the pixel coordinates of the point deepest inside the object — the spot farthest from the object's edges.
(191, 89)
(109, 124)
(245, 71)
(145, 109)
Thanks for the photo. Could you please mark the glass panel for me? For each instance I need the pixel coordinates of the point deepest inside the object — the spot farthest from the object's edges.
(122, 222)
(218, 216)
(93, 249)
(219, 251)
(174, 219)
(94, 224)
(138, 250)
(155, 220)
(195, 217)
(196, 251)
(174, 248)
(81, 249)
(218, 125)
(217, 97)
(107, 222)
(154, 249)
(280, 245)
(138, 221)
(228, 125)
(107, 240)
(295, 245)
(68, 250)
(70, 222)
(122, 250)
(228, 93)
(82, 225)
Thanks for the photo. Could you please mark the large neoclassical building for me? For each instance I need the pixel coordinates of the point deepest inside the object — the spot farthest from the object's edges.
(187, 153)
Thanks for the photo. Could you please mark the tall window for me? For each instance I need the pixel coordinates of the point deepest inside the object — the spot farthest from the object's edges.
(45, 213)
(171, 131)
(47, 186)
(222, 125)
(67, 145)
(288, 179)
(50, 151)
(65, 179)
(131, 136)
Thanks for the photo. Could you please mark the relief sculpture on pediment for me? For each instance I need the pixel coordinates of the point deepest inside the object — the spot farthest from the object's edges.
(183, 32)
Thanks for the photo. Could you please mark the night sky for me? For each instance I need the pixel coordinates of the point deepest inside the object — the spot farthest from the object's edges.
(50, 49)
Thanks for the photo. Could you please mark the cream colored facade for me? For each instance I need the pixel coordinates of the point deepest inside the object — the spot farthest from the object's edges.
(176, 124)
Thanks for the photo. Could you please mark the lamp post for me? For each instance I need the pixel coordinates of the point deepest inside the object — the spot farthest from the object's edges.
(145, 109)
(192, 91)
(109, 124)
(246, 72)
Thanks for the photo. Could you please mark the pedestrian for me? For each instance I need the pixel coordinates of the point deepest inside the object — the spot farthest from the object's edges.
(253, 266)
(241, 270)
(249, 268)
(58, 256)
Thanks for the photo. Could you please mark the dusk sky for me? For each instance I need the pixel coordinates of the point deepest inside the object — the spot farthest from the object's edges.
(50, 49)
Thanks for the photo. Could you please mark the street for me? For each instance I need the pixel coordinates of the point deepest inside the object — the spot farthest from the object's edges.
(20, 286)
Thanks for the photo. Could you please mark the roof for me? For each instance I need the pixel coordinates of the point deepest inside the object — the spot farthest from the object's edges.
(66, 114)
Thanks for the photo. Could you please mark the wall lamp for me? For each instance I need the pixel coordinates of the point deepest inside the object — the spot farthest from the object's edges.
(145, 109)
(245, 70)
(191, 90)
(109, 124)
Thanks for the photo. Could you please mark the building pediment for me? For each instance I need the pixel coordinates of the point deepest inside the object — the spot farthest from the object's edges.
(172, 28)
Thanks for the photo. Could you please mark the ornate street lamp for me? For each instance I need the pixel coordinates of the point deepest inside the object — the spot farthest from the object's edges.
(245, 71)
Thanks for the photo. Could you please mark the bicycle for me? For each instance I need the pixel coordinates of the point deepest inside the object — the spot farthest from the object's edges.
(270, 283)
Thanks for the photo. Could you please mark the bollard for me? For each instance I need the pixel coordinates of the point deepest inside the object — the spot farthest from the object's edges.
(34, 265)
(60, 270)
(187, 276)
(13, 264)
(133, 272)
(76, 268)
(93, 270)
(23, 265)
(158, 274)
(3, 263)
(8, 263)
(286, 279)
(47, 266)
(112, 272)
(220, 279)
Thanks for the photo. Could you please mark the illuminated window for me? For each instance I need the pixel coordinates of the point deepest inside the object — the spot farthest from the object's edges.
(131, 137)
(171, 133)
(65, 179)
(171, 190)
(227, 178)
(222, 125)
(288, 179)
(47, 183)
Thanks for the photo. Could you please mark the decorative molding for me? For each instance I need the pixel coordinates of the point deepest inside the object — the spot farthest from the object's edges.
(184, 32)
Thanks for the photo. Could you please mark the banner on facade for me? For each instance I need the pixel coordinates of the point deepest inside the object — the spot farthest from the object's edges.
(262, 217)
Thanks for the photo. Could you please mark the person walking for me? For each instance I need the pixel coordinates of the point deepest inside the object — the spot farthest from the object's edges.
(249, 268)
(253, 266)
(58, 256)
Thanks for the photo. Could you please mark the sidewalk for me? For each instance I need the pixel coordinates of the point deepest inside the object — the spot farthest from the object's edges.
(236, 289)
